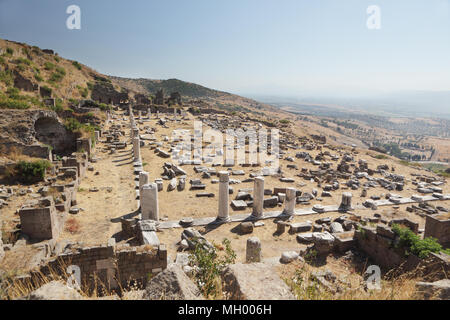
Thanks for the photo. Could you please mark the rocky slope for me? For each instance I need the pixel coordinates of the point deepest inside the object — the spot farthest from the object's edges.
(29, 74)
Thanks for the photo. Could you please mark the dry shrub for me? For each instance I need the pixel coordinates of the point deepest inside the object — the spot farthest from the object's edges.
(14, 154)
(394, 286)
(72, 226)
(53, 192)
(145, 248)
(14, 287)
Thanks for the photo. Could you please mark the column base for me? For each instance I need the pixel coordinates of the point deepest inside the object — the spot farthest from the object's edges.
(223, 220)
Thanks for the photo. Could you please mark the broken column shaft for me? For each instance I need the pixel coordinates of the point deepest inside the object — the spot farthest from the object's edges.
(258, 197)
(137, 149)
(290, 201)
(223, 196)
(149, 202)
(346, 203)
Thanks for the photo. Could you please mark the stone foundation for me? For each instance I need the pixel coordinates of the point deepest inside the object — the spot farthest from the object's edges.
(40, 223)
(109, 266)
(439, 229)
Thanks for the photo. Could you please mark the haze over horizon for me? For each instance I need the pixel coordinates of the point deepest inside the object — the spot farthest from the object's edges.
(290, 49)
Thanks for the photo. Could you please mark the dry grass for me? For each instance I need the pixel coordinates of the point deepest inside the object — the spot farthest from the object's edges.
(145, 248)
(14, 154)
(443, 216)
(305, 287)
(13, 287)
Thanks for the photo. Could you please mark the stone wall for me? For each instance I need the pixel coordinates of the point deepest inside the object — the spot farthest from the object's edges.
(45, 92)
(34, 151)
(84, 145)
(23, 83)
(110, 266)
(378, 244)
(28, 130)
(50, 131)
(79, 161)
(439, 229)
(104, 92)
(40, 223)
(344, 241)
(43, 219)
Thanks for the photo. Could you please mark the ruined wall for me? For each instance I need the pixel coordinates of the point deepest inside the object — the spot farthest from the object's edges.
(439, 229)
(343, 243)
(138, 266)
(39, 223)
(45, 92)
(43, 219)
(378, 244)
(104, 92)
(79, 161)
(50, 131)
(26, 130)
(84, 145)
(110, 265)
(23, 83)
(34, 151)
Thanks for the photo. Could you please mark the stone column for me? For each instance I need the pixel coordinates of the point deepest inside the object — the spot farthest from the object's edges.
(137, 149)
(258, 197)
(291, 197)
(97, 136)
(149, 202)
(223, 196)
(143, 180)
(346, 201)
(139, 115)
(135, 132)
(149, 113)
(253, 250)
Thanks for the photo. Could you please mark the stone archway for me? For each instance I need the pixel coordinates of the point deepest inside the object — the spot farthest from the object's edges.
(51, 132)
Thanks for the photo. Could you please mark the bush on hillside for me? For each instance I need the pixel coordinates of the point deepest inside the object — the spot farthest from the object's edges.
(77, 65)
(412, 244)
(32, 171)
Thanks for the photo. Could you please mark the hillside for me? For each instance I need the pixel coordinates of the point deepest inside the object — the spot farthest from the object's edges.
(191, 91)
(29, 75)
(186, 89)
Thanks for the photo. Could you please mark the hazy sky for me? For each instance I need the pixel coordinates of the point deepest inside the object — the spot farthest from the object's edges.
(249, 46)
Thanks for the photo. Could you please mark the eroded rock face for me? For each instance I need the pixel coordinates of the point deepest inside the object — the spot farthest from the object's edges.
(434, 290)
(172, 284)
(27, 130)
(49, 131)
(55, 290)
(263, 284)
